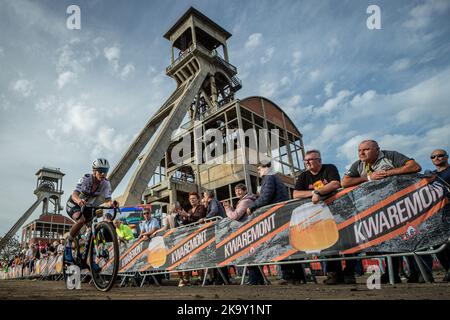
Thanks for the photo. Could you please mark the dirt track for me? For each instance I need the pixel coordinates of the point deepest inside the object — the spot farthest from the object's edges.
(35, 289)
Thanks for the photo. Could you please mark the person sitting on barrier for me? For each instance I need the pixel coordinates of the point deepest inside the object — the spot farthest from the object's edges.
(149, 226)
(90, 190)
(124, 232)
(246, 200)
(376, 164)
(317, 181)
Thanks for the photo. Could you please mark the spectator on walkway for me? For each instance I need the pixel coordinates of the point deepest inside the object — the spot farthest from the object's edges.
(318, 181)
(376, 164)
(149, 226)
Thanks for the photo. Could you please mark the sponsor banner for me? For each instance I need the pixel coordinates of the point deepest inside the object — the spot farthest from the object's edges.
(174, 249)
(397, 214)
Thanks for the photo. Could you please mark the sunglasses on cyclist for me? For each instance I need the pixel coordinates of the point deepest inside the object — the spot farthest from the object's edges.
(438, 156)
(101, 170)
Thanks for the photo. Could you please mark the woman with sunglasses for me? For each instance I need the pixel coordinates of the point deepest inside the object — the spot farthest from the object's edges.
(92, 189)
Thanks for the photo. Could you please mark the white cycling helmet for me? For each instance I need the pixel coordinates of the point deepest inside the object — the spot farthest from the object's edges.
(100, 163)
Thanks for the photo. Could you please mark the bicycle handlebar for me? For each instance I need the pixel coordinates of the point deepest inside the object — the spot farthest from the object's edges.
(96, 208)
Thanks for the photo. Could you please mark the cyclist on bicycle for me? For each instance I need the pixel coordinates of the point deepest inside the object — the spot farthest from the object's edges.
(91, 190)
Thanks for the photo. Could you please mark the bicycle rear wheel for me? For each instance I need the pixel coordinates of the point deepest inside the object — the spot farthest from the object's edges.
(104, 256)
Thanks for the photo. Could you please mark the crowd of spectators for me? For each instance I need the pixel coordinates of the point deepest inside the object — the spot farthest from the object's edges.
(317, 182)
(28, 255)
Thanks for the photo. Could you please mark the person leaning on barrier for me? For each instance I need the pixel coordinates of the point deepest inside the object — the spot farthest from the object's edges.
(321, 180)
(214, 209)
(172, 218)
(197, 212)
(439, 157)
(272, 191)
(149, 226)
(246, 200)
(213, 206)
(124, 232)
(376, 164)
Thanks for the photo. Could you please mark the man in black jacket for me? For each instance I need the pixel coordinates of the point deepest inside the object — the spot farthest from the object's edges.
(272, 191)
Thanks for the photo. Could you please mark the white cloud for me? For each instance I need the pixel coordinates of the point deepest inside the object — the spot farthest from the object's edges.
(64, 78)
(253, 41)
(422, 14)
(23, 87)
(314, 75)
(329, 89)
(401, 64)
(268, 55)
(296, 58)
(293, 101)
(5, 105)
(127, 70)
(46, 104)
(112, 54)
(360, 101)
(333, 44)
(2, 52)
(331, 104)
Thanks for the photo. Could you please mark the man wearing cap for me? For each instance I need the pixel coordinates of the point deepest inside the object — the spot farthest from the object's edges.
(149, 226)
(124, 232)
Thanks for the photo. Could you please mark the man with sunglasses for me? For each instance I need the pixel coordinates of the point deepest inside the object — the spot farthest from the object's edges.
(439, 157)
(92, 189)
(149, 226)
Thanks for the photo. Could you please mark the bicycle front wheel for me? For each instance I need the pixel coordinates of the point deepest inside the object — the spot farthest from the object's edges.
(104, 256)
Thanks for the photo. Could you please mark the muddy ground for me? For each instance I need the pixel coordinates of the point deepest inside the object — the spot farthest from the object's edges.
(39, 289)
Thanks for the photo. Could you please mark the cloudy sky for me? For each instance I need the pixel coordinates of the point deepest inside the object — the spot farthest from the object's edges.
(68, 96)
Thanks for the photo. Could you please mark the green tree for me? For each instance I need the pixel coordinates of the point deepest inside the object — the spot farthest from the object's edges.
(11, 249)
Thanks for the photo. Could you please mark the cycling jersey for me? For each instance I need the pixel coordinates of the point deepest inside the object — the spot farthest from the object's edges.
(84, 187)
(93, 197)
